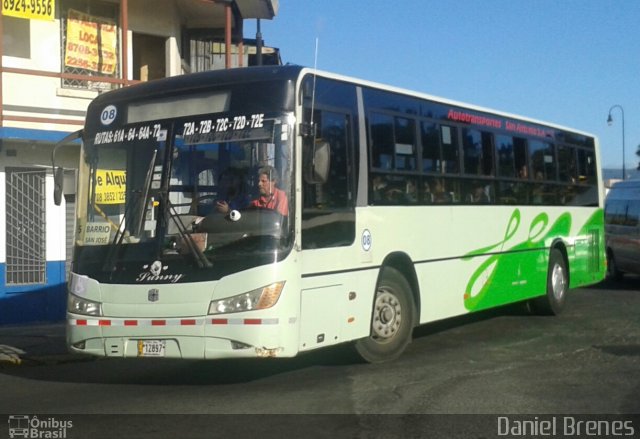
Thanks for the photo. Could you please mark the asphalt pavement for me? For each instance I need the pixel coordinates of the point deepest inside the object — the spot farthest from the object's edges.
(39, 343)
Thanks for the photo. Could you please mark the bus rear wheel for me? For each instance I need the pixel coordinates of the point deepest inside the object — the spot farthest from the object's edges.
(553, 301)
(392, 319)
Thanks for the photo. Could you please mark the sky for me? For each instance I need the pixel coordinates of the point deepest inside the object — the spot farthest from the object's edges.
(561, 61)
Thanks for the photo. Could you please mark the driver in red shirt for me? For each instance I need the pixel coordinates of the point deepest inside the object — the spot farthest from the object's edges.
(270, 196)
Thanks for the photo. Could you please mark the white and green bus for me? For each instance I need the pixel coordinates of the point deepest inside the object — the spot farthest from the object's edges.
(265, 212)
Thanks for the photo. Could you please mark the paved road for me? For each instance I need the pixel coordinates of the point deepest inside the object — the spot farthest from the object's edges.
(587, 361)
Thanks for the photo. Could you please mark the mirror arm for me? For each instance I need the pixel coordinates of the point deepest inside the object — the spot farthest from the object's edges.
(67, 139)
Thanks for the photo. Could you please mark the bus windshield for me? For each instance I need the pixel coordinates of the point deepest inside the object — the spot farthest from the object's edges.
(190, 189)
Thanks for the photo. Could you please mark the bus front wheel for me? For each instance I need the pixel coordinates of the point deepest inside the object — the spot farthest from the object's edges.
(392, 319)
(553, 301)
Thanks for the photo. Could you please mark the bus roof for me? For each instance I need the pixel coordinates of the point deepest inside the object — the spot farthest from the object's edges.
(442, 100)
(202, 80)
(205, 80)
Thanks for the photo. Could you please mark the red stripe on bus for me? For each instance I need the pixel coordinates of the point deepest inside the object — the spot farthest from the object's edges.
(252, 321)
(188, 322)
(130, 323)
(104, 322)
(219, 321)
(158, 322)
(81, 322)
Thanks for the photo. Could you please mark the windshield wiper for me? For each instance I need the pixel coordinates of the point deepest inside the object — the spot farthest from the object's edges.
(198, 255)
(119, 236)
(137, 228)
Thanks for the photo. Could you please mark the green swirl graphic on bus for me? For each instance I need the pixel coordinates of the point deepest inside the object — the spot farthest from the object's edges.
(516, 272)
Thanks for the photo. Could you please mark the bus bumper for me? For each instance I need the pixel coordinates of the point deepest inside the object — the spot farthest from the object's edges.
(187, 338)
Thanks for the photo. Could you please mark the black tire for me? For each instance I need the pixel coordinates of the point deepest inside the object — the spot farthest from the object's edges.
(392, 319)
(613, 272)
(552, 303)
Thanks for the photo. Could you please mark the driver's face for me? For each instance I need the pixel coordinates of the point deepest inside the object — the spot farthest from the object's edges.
(265, 185)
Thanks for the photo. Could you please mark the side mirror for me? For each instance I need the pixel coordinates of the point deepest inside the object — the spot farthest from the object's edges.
(58, 185)
(317, 169)
(58, 172)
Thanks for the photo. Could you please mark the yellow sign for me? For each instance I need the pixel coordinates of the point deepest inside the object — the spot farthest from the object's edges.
(30, 9)
(110, 186)
(91, 43)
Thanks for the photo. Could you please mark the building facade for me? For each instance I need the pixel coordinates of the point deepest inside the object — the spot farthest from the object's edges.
(53, 64)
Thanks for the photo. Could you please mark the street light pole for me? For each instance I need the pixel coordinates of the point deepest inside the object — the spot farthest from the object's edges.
(258, 45)
(610, 122)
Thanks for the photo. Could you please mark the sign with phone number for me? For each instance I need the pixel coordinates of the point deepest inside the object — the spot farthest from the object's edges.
(30, 9)
(111, 186)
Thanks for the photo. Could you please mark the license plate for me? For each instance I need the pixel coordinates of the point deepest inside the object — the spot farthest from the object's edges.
(151, 348)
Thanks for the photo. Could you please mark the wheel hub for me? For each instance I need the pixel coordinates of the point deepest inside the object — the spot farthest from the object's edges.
(558, 282)
(387, 315)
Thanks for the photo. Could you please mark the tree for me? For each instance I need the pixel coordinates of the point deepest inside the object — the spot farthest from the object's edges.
(638, 154)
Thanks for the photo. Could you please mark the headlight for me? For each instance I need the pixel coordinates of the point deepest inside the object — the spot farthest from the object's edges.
(260, 298)
(77, 305)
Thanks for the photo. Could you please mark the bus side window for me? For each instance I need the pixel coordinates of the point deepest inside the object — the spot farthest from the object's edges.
(431, 161)
(405, 144)
(450, 155)
(393, 190)
(542, 159)
(328, 208)
(506, 162)
(439, 191)
(439, 148)
(478, 152)
(567, 164)
(382, 141)
(393, 142)
(586, 167)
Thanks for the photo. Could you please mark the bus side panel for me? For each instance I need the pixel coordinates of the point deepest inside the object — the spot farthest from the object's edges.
(587, 261)
(335, 303)
(471, 258)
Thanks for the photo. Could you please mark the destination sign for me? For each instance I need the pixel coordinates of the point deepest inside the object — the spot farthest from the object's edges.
(223, 129)
(144, 132)
(228, 129)
(95, 233)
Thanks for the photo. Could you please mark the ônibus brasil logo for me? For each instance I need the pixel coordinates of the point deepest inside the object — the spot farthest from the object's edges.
(33, 427)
